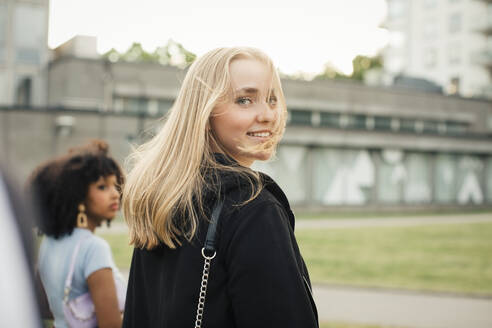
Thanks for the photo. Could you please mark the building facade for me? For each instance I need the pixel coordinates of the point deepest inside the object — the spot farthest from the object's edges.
(346, 144)
(24, 53)
(446, 41)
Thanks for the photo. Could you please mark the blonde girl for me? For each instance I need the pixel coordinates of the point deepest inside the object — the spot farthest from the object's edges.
(229, 112)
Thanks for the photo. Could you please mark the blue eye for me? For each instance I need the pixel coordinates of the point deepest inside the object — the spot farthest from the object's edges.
(272, 101)
(244, 101)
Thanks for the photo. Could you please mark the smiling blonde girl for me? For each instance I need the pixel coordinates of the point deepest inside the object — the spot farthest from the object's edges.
(229, 112)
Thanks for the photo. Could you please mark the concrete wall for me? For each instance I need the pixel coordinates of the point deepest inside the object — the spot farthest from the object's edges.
(317, 167)
(318, 164)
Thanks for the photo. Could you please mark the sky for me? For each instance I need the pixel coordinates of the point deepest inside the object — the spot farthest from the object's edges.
(299, 35)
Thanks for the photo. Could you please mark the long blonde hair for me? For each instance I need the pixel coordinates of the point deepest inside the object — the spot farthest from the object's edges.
(168, 177)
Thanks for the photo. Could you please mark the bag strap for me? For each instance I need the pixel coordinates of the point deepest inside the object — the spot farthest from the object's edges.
(68, 281)
(209, 245)
(208, 248)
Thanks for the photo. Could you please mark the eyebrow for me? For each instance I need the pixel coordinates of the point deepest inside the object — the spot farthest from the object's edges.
(252, 90)
(247, 90)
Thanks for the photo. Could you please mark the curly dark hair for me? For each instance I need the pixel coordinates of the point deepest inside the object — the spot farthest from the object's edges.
(61, 184)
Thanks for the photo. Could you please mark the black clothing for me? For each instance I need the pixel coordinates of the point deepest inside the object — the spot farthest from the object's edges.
(257, 279)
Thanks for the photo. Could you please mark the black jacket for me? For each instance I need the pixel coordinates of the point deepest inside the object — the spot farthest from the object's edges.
(258, 278)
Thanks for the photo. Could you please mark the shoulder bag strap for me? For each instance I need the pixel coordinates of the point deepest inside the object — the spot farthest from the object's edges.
(208, 253)
(68, 281)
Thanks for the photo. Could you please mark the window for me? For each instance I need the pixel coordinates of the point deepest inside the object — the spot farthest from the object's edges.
(300, 117)
(131, 105)
(455, 128)
(407, 125)
(4, 96)
(428, 4)
(330, 120)
(430, 31)
(382, 123)
(454, 53)
(455, 23)
(430, 127)
(489, 14)
(164, 105)
(3, 31)
(396, 8)
(23, 91)
(356, 121)
(430, 58)
(29, 33)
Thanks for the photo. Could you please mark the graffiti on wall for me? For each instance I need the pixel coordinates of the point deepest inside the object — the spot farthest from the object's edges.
(388, 176)
(350, 181)
(470, 190)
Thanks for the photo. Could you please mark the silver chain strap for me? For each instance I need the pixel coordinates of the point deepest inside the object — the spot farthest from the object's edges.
(203, 289)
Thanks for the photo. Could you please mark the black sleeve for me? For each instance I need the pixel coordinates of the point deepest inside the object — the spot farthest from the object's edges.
(266, 284)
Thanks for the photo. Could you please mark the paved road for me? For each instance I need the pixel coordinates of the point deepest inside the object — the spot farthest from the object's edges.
(401, 308)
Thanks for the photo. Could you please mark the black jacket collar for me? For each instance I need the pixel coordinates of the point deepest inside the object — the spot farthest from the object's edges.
(229, 180)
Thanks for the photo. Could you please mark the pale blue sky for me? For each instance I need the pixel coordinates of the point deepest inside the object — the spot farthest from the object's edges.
(300, 35)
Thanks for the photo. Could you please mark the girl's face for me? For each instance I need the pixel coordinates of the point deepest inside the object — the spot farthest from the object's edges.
(248, 117)
(103, 200)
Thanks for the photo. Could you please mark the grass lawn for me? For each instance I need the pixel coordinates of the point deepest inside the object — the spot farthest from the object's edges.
(122, 252)
(453, 258)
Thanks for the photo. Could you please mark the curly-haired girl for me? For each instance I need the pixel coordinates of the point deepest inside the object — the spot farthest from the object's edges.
(76, 193)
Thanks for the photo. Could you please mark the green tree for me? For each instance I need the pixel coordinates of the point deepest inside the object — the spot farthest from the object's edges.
(136, 53)
(330, 72)
(173, 53)
(362, 64)
(113, 55)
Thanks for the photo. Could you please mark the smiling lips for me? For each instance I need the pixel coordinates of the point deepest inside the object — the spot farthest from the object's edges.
(260, 134)
(114, 206)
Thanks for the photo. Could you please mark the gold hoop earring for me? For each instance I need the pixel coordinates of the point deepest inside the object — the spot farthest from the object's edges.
(81, 217)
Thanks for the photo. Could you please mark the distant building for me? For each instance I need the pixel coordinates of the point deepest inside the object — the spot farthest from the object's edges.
(448, 42)
(24, 51)
(346, 144)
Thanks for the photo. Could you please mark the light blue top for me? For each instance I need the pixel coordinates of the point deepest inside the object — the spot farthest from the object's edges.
(54, 260)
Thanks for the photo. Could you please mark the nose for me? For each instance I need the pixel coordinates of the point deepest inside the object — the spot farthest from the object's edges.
(267, 113)
(114, 192)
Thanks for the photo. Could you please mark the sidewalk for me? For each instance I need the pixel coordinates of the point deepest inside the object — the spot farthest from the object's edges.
(401, 308)
(394, 222)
